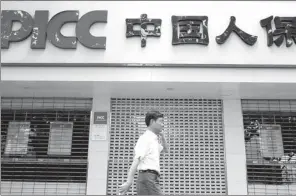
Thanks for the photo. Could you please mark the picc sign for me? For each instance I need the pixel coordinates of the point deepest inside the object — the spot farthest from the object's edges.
(40, 29)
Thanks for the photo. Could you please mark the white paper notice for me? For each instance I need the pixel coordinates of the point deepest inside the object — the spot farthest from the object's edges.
(99, 132)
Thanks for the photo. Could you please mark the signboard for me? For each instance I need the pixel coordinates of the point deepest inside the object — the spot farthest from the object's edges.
(42, 30)
(60, 138)
(193, 32)
(17, 138)
(271, 142)
(186, 29)
(100, 126)
(100, 118)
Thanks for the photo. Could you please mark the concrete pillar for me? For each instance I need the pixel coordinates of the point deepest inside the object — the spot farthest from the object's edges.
(235, 147)
(98, 152)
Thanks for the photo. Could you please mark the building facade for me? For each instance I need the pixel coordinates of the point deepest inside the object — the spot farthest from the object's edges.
(78, 78)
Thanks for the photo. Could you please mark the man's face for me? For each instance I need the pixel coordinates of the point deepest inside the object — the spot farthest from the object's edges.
(157, 125)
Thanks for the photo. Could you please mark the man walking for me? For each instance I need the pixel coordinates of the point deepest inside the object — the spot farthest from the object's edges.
(146, 159)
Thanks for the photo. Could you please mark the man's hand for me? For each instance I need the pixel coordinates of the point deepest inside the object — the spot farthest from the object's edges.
(164, 143)
(124, 188)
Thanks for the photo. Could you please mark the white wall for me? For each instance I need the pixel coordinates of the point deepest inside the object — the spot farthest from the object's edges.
(160, 50)
(221, 75)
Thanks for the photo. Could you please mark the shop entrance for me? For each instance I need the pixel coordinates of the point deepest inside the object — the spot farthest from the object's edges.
(194, 130)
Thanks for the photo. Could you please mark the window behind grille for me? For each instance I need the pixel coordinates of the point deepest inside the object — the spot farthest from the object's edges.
(44, 145)
(270, 140)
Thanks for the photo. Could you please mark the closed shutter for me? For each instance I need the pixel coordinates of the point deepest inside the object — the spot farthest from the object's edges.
(270, 140)
(194, 131)
(44, 145)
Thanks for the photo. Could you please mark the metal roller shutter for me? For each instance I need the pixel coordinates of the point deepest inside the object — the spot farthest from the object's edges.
(194, 130)
(270, 140)
(44, 145)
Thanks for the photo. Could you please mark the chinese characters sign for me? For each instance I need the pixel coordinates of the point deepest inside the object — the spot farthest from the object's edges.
(248, 39)
(185, 29)
(190, 30)
(285, 28)
(143, 32)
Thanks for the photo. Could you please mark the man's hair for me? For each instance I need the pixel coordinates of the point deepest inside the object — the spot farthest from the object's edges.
(152, 115)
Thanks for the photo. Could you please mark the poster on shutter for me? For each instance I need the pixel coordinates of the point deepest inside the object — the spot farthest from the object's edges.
(60, 138)
(17, 138)
(271, 141)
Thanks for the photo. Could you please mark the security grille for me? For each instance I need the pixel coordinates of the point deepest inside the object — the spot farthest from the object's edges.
(44, 145)
(194, 131)
(270, 140)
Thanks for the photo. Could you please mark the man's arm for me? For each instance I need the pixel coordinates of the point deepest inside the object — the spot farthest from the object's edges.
(164, 143)
(130, 176)
(133, 170)
(141, 149)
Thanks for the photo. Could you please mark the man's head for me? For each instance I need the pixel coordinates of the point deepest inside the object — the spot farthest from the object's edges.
(154, 121)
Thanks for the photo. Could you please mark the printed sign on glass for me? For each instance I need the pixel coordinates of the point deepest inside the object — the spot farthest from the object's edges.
(271, 141)
(60, 138)
(17, 138)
